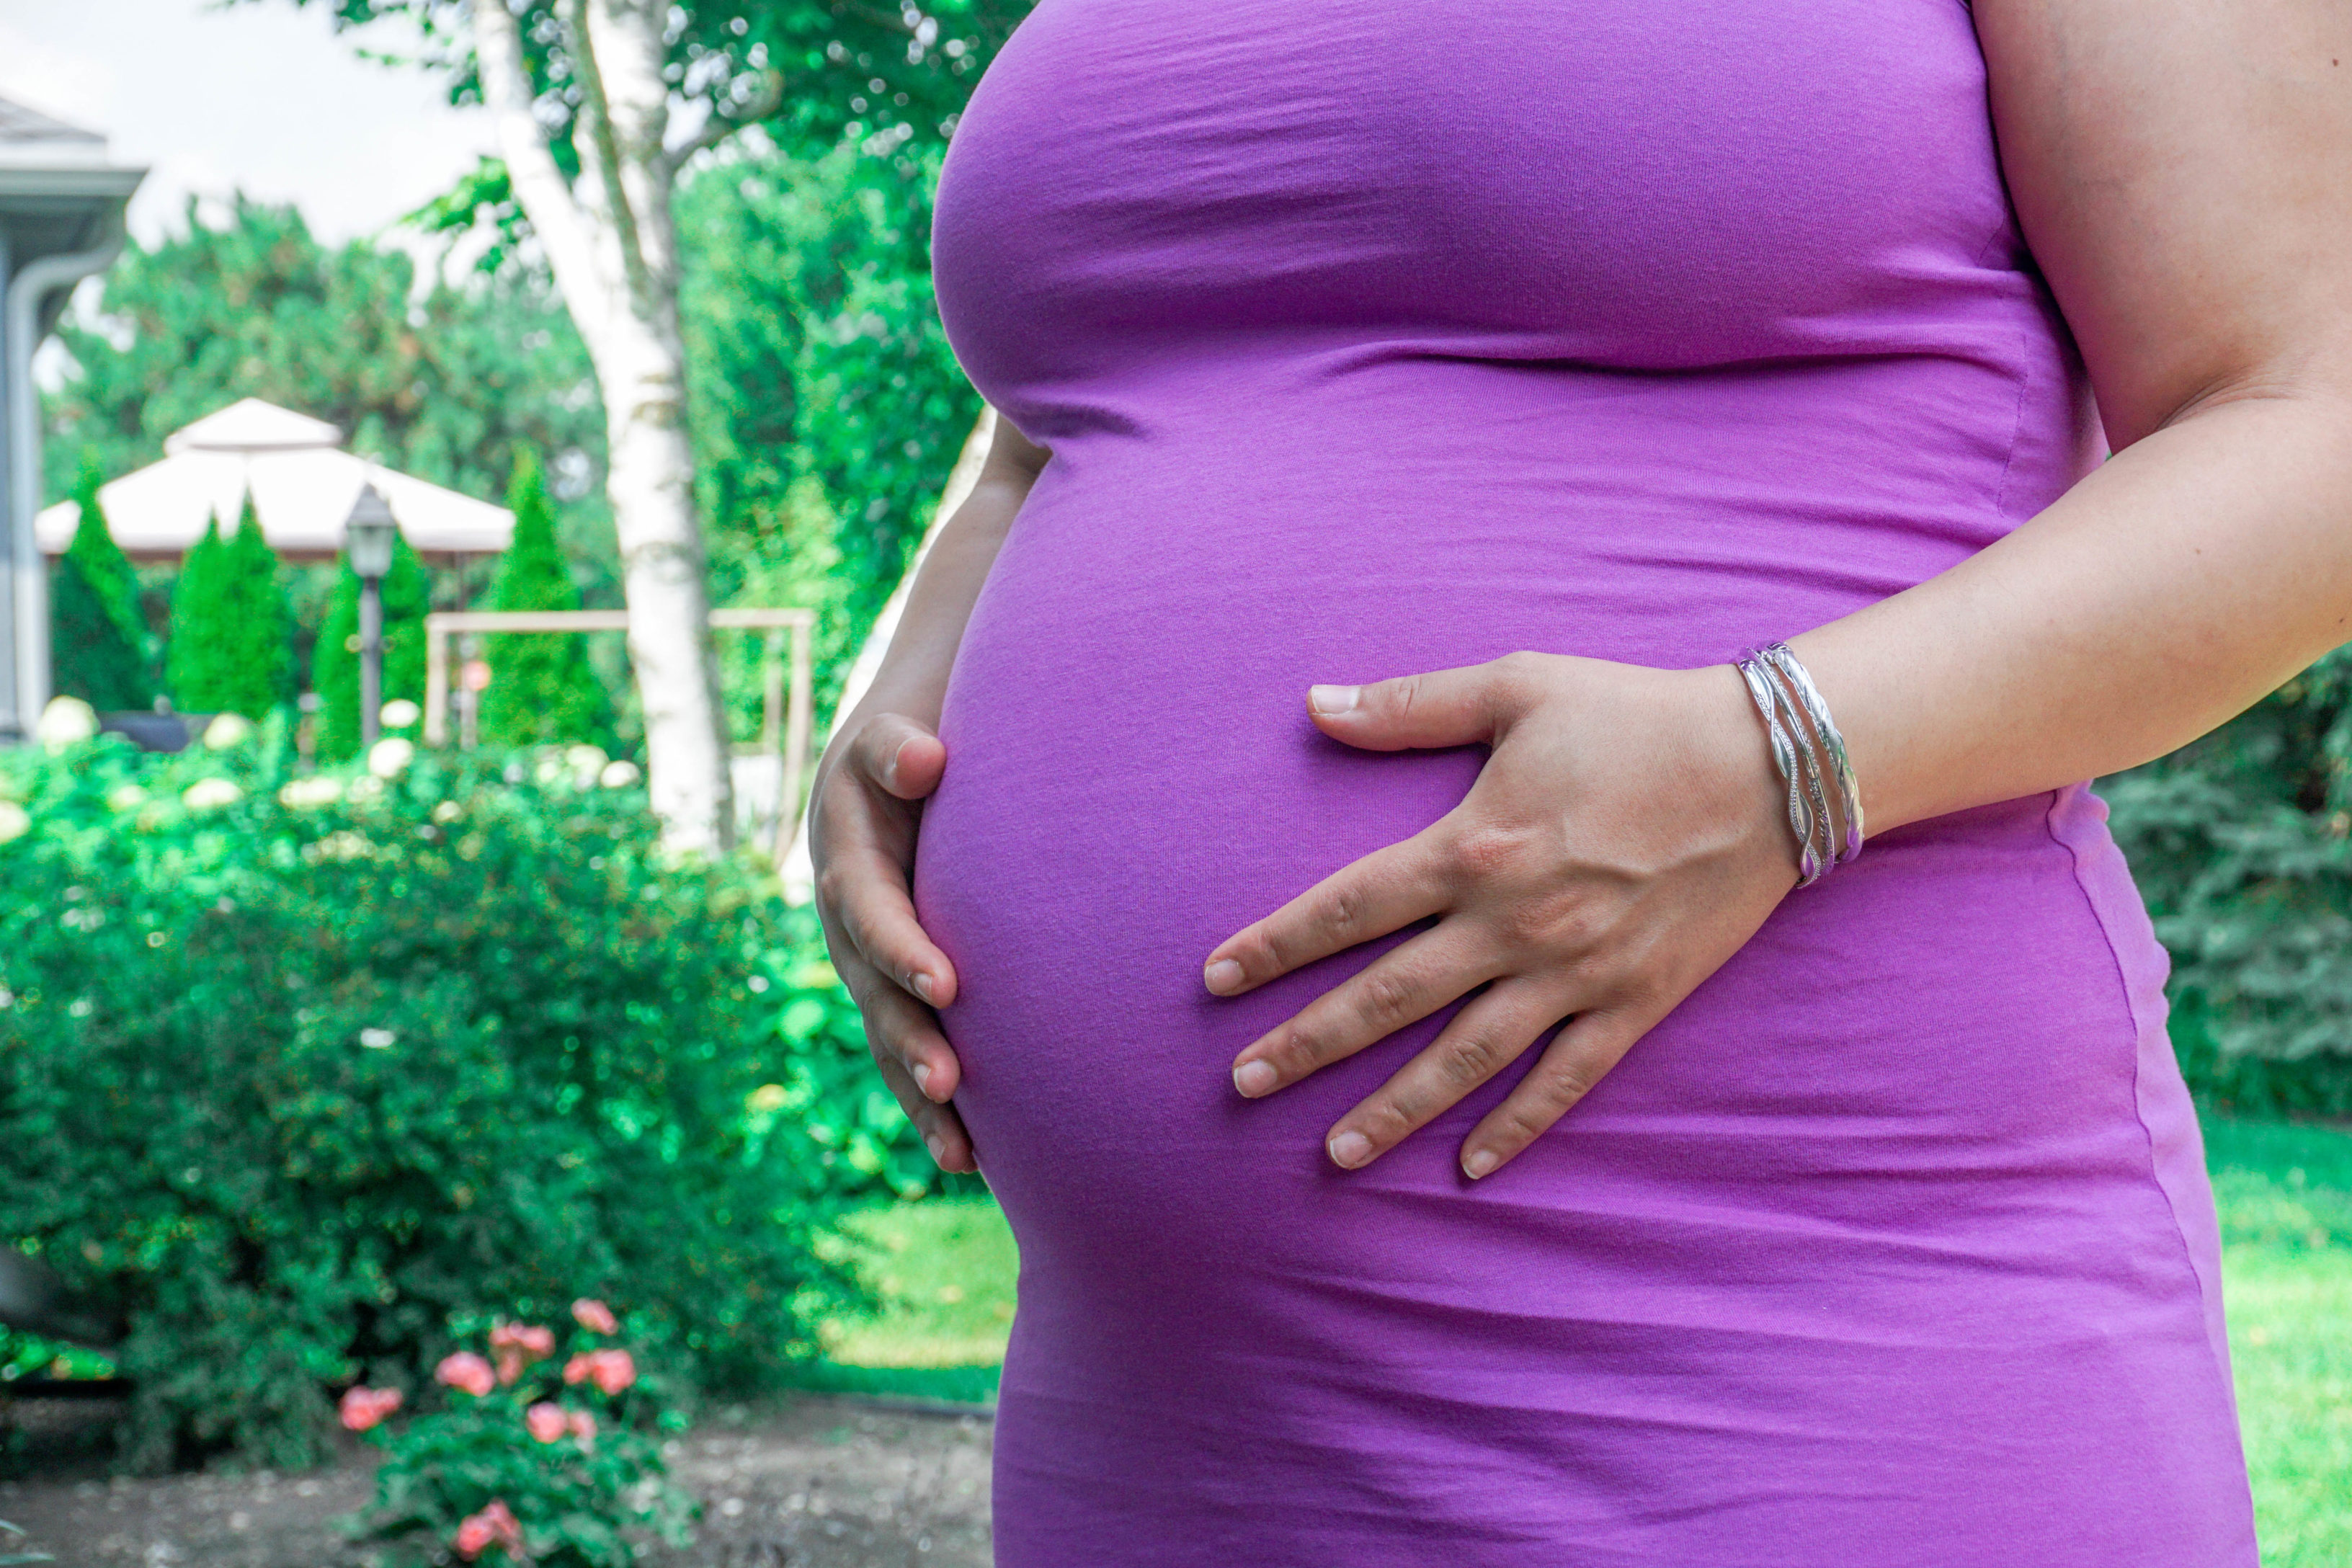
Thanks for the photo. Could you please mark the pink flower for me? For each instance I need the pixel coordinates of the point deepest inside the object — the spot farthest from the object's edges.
(466, 1370)
(363, 1408)
(577, 1369)
(473, 1535)
(594, 1316)
(535, 1343)
(516, 1345)
(583, 1426)
(613, 1369)
(495, 1524)
(546, 1423)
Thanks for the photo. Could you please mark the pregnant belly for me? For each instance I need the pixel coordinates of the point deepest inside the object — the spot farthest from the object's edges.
(1131, 777)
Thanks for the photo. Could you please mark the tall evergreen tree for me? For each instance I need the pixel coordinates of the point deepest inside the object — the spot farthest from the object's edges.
(99, 638)
(335, 660)
(543, 688)
(232, 648)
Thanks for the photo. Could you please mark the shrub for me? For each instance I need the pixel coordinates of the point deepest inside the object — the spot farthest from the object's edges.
(554, 1461)
(97, 632)
(542, 685)
(2242, 844)
(335, 660)
(232, 649)
(296, 1070)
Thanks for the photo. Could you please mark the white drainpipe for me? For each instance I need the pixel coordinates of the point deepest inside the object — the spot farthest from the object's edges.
(26, 292)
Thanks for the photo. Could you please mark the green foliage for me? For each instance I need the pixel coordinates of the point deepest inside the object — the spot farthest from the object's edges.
(98, 636)
(232, 644)
(541, 687)
(827, 406)
(2242, 844)
(584, 1492)
(91, 658)
(807, 68)
(296, 1070)
(442, 385)
(335, 658)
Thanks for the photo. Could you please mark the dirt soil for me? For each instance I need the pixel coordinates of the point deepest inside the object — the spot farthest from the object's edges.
(810, 1482)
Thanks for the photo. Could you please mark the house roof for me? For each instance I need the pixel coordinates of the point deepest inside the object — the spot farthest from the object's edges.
(302, 484)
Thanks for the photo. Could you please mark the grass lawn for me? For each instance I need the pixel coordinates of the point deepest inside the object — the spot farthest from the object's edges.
(2285, 1197)
(945, 1269)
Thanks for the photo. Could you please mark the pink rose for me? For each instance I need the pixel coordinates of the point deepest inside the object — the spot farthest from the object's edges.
(577, 1369)
(472, 1534)
(583, 1426)
(515, 1346)
(466, 1370)
(594, 1316)
(613, 1369)
(363, 1408)
(546, 1423)
(534, 1343)
(496, 1523)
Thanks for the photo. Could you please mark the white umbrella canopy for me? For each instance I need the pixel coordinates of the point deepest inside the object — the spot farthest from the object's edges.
(302, 483)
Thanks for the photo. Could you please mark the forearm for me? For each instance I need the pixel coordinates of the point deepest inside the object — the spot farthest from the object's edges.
(2190, 575)
(914, 673)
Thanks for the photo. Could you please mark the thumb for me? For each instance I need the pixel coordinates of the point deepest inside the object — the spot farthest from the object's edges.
(1441, 708)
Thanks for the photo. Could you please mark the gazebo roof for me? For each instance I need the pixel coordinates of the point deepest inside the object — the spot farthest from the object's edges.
(302, 483)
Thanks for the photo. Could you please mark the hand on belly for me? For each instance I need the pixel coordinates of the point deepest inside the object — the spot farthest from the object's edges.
(1621, 842)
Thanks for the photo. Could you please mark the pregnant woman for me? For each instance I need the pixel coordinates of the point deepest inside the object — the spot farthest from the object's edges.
(1310, 846)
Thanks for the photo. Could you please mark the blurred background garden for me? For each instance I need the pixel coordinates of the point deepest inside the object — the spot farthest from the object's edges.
(341, 1041)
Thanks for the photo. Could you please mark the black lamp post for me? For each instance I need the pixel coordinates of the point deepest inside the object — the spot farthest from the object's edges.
(368, 536)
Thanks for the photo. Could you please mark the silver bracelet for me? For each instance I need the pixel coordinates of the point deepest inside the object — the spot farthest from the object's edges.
(1806, 746)
(1768, 700)
(1784, 661)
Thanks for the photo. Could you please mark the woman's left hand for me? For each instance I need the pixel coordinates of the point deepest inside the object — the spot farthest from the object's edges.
(1627, 835)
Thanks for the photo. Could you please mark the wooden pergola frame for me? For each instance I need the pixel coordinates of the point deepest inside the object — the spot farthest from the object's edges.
(787, 716)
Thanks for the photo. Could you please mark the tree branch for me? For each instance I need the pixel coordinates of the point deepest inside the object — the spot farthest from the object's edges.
(719, 127)
(596, 119)
(538, 184)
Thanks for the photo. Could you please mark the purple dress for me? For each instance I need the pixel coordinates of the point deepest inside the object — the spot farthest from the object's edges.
(1374, 337)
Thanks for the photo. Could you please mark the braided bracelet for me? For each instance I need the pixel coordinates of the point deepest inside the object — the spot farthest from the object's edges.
(1806, 748)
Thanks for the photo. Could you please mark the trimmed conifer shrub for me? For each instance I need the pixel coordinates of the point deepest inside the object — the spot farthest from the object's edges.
(543, 688)
(335, 661)
(98, 636)
(232, 648)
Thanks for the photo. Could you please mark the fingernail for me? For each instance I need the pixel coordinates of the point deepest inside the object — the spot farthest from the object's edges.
(923, 986)
(1350, 1149)
(890, 768)
(1253, 1078)
(922, 1071)
(1223, 975)
(937, 1147)
(1330, 700)
(1478, 1163)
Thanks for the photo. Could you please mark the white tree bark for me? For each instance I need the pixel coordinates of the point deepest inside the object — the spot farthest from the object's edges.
(611, 241)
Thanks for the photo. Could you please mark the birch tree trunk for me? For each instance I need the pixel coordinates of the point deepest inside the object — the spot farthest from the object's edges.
(612, 244)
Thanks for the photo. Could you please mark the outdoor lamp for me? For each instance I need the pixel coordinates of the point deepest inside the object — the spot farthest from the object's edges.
(368, 536)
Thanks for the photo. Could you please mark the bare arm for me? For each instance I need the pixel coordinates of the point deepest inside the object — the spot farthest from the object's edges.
(2184, 175)
(2180, 170)
(885, 757)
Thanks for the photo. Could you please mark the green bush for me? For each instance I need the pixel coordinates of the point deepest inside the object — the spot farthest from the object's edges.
(98, 636)
(542, 689)
(296, 1070)
(232, 644)
(553, 1462)
(335, 660)
(2242, 844)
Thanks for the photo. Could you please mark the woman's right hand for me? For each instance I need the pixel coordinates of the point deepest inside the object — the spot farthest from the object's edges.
(861, 829)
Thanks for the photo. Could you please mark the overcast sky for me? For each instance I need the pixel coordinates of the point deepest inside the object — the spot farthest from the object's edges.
(259, 96)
